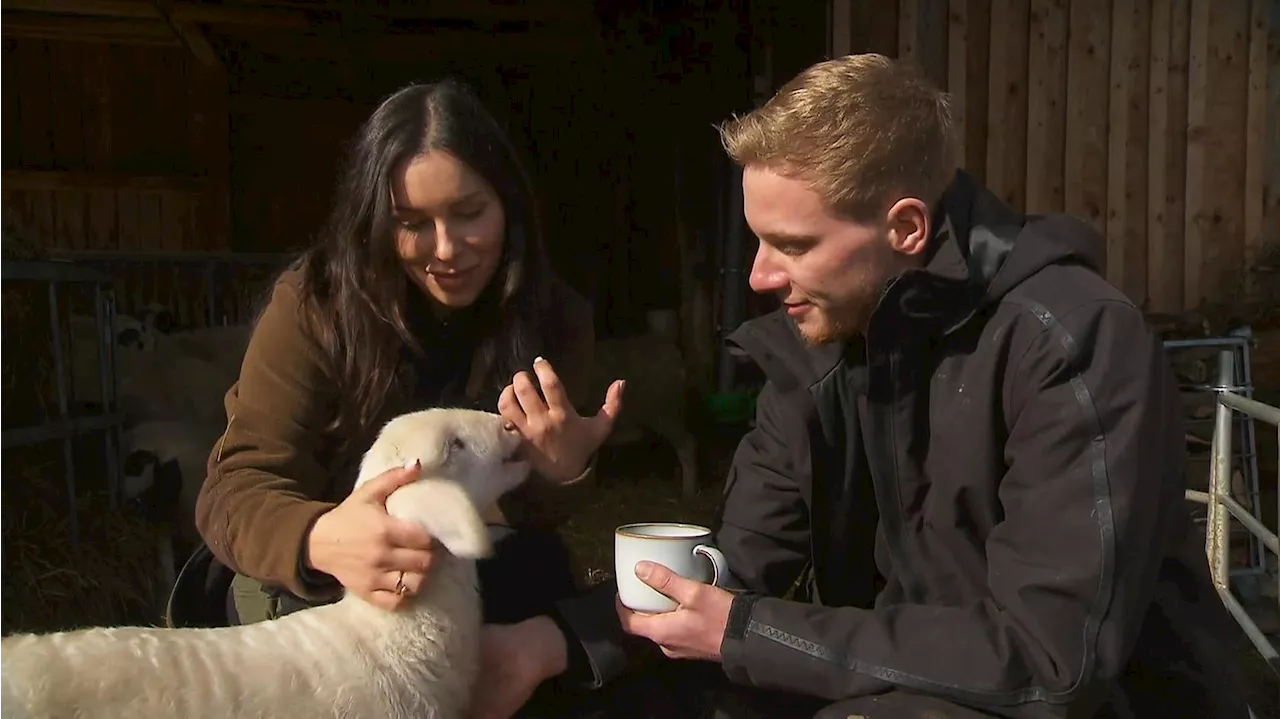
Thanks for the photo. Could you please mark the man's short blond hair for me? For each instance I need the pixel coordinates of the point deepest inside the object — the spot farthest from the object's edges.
(862, 130)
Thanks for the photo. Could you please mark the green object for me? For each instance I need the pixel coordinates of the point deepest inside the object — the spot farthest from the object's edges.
(732, 407)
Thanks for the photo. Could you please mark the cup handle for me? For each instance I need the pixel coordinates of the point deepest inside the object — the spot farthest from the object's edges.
(719, 566)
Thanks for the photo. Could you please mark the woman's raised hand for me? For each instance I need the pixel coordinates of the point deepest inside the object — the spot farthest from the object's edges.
(558, 441)
(381, 558)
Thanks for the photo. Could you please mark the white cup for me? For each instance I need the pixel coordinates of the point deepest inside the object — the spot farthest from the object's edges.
(683, 548)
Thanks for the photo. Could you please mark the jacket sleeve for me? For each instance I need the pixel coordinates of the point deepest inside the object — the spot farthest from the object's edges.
(763, 533)
(540, 503)
(1092, 479)
(265, 476)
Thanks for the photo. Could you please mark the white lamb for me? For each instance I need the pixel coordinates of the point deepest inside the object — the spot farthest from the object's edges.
(348, 659)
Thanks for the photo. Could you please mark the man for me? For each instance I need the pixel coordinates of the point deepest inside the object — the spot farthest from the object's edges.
(968, 452)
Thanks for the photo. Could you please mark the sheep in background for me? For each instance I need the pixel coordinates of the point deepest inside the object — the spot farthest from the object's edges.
(223, 346)
(165, 464)
(656, 399)
(347, 659)
(132, 340)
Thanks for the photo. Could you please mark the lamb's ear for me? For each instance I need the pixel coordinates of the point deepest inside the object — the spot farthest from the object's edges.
(446, 511)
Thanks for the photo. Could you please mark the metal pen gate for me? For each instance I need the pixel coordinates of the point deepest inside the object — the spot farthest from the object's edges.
(1223, 507)
(64, 426)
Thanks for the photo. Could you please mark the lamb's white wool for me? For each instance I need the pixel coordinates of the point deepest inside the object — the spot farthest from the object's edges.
(348, 659)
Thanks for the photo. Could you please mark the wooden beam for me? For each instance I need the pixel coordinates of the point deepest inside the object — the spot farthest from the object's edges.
(133, 31)
(538, 11)
(58, 180)
(181, 11)
(190, 34)
(416, 48)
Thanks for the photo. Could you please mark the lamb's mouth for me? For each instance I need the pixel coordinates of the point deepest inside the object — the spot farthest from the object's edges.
(513, 457)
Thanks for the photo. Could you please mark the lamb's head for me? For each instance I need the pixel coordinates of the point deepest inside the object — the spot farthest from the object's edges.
(469, 459)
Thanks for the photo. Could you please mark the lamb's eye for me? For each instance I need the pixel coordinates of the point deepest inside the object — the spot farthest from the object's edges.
(457, 444)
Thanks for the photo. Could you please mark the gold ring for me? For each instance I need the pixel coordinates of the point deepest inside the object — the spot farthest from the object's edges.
(400, 587)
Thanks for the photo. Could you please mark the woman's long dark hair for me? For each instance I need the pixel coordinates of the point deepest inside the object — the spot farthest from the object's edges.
(353, 281)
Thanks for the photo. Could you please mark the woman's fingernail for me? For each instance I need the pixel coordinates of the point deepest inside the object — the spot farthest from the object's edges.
(412, 464)
(538, 359)
(644, 569)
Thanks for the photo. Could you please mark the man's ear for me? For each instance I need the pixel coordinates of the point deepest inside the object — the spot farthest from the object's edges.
(909, 226)
(446, 511)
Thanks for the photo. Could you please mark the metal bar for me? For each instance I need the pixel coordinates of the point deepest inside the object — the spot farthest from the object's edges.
(1255, 527)
(60, 382)
(1249, 445)
(1251, 407)
(1217, 540)
(59, 429)
(1205, 342)
(42, 271)
(1250, 628)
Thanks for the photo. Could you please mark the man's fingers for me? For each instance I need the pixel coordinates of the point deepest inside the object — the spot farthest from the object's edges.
(552, 388)
(667, 582)
(377, 490)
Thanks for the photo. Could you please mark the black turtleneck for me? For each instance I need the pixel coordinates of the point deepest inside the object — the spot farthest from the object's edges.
(440, 373)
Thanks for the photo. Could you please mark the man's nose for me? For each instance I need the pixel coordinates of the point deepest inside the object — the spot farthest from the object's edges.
(765, 276)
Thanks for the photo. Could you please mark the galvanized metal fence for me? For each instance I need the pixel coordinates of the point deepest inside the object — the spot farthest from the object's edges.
(200, 289)
(65, 427)
(1223, 507)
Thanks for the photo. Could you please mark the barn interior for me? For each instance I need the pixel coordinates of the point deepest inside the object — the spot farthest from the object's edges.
(176, 153)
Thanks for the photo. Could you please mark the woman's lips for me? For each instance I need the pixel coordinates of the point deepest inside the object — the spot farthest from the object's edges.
(451, 279)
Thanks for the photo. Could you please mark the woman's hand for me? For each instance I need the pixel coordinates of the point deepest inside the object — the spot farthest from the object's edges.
(514, 660)
(558, 441)
(382, 559)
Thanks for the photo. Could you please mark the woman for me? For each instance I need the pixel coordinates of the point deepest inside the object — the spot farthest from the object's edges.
(429, 287)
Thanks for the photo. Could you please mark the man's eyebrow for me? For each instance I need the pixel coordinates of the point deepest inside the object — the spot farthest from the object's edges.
(785, 238)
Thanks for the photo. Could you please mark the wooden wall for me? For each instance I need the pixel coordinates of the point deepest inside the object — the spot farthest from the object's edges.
(1155, 120)
(112, 145)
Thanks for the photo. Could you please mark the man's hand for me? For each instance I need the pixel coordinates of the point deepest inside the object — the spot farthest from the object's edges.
(514, 660)
(694, 629)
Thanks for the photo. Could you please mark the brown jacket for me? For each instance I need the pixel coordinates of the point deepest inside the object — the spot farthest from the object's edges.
(276, 468)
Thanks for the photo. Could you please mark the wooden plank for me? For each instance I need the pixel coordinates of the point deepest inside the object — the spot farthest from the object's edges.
(150, 223)
(1007, 103)
(100, 230)
(1197, 154)
(66, 96)
(1127, 135)
(957, 71)
(87, 29)
(1221, 212)
(1166, 159)
(909, 30)
(57, 180)
(127, 222)
(1046, 109)
(1271, 203)
(1256, 139)
(1088, 55)
(35, 117)
(11, 124)
(182, 11)
(977, 66)
(923, 37)
(209, 146)
(841, 27)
